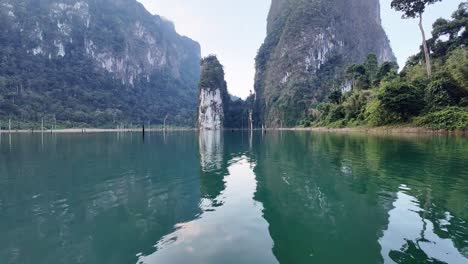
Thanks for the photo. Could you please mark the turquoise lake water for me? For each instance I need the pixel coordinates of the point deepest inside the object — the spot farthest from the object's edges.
(233, 197)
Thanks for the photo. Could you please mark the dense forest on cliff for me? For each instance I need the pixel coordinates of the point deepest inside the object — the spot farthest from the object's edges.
(217, 108)
(309, 45)
(382, 96)
(110, 63)
(93, 63)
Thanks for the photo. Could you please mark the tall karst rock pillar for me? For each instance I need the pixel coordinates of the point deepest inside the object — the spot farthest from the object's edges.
(309, 45)
(213, 97)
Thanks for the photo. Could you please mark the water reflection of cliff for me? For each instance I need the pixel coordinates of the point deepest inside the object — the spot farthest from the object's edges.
(217, 149)
(211, 145)
(413, 234)
(312, 198)
(231, 228)
(213, 162)
(328, 198)
(94, 198)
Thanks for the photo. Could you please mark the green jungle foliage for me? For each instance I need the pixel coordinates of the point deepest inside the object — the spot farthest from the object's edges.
(382, 96)
(212, 76)
(236, 110)
(292, 73)
(212, 79)
(74, 90)
(237, 116)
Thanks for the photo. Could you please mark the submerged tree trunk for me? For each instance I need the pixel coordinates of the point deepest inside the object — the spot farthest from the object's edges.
(426, 50)
(250, 120)
(164, 124)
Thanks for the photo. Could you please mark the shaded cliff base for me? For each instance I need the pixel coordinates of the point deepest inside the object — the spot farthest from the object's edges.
(94, 130)
(387, 130)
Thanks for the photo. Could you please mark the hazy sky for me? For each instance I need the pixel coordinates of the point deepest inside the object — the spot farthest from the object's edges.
(235, 29)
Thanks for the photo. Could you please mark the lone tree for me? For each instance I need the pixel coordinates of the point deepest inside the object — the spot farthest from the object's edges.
(413, 9)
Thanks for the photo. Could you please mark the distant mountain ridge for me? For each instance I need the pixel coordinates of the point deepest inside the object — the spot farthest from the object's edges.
(94, 62)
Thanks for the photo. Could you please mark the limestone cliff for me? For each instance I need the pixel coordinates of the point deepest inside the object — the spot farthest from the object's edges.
(308, 46)
(94, 61)
(213, 97)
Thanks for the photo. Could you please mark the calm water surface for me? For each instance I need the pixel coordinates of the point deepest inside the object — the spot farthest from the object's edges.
(283, 197)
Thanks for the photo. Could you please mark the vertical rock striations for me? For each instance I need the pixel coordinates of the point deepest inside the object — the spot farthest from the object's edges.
(309, 45)
(213, 97)
(98, 62)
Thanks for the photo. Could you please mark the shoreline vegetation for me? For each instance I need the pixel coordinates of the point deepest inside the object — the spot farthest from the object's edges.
(429, 92)
(386, 130)
(372, 96)
(91, 130)
(365, 130)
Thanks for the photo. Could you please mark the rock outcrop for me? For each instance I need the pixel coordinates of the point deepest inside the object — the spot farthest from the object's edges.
(309, 45)
(213, 96)
(95, 61)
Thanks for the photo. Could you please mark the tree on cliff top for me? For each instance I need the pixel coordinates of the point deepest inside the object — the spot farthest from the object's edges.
(212, 75)
(413, 9)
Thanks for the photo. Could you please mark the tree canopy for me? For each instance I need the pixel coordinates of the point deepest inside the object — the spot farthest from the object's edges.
(412, 8)
(384, 96)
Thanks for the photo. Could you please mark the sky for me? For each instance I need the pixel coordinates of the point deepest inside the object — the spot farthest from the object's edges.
(234, 30)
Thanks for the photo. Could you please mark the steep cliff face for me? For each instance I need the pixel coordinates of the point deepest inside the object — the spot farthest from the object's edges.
(88, 60)
(213, 97)
(211, 114)
(308, 46)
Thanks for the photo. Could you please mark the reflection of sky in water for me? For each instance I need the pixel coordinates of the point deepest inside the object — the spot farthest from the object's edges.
(225, 235)
(407, 226)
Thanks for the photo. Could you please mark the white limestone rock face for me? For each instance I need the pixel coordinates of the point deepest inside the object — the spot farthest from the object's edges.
(108, 43)
(210, 111)
(213, 97)
(138, 49)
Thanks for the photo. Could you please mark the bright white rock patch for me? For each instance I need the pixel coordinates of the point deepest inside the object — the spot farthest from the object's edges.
(37, 50)
(61, 48)
(210, 112)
